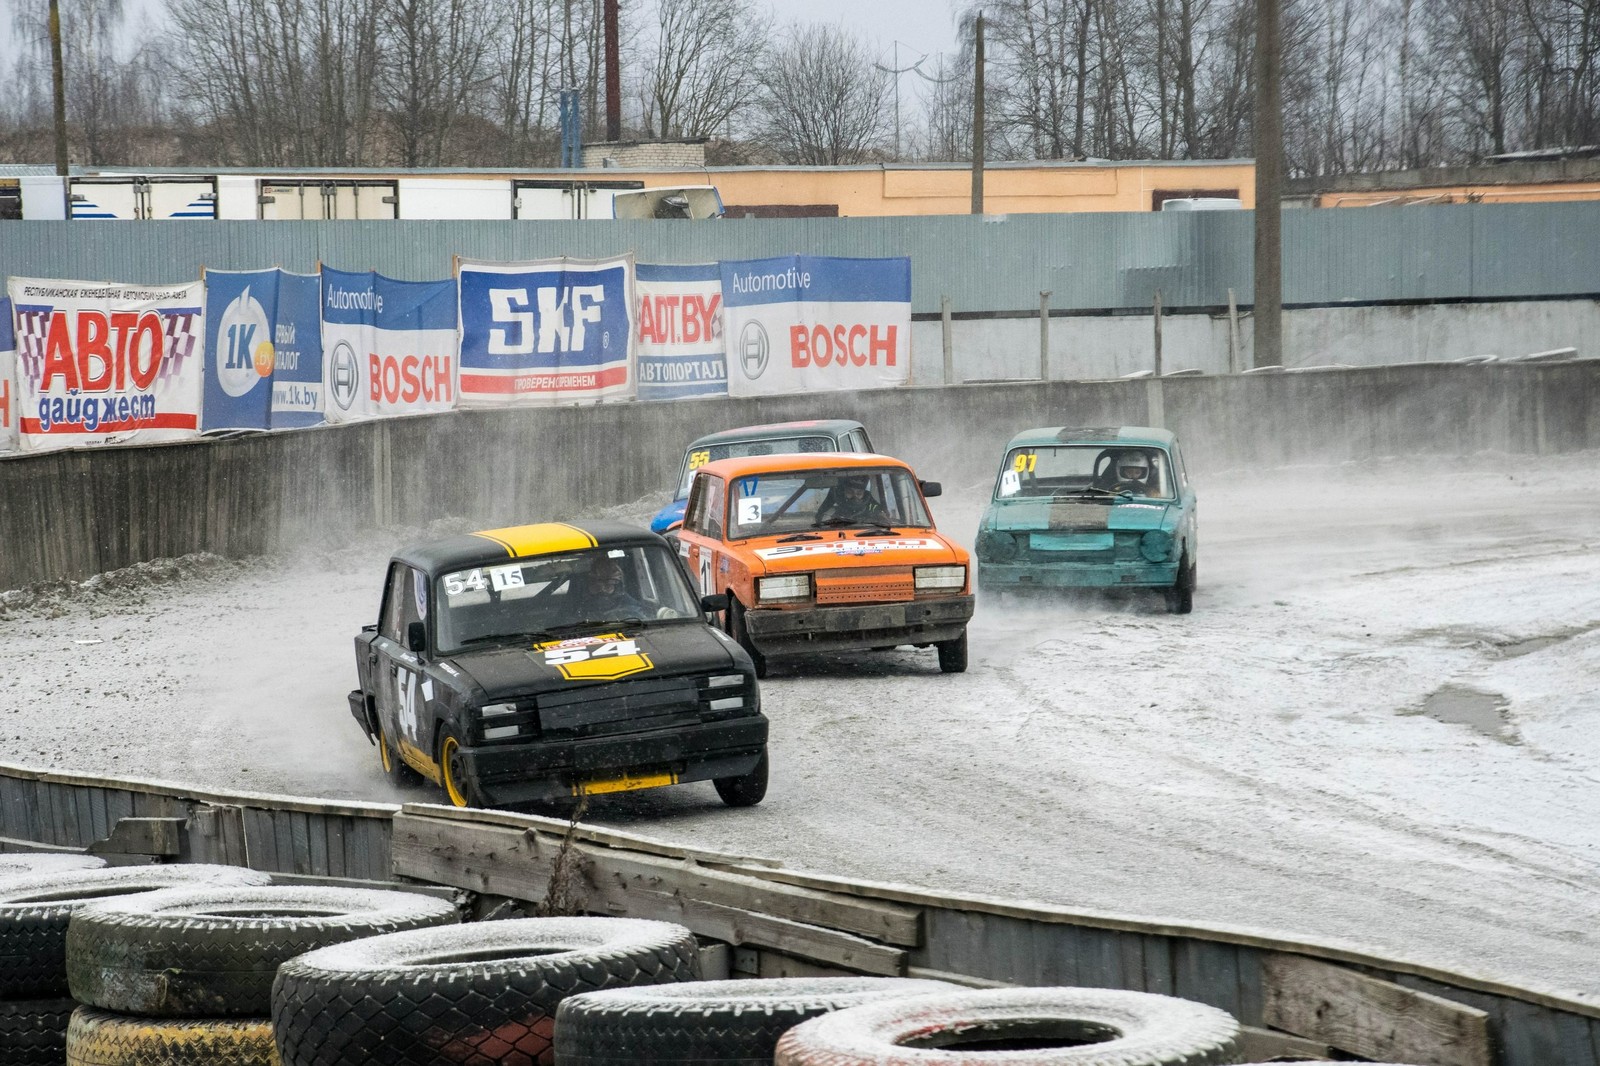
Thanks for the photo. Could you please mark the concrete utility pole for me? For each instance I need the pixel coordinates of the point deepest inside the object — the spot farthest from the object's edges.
(1268, 311)
(59, 87)
(613, 75)
(977, 120)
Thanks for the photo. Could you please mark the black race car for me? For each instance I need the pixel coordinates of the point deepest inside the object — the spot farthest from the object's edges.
(525, 664)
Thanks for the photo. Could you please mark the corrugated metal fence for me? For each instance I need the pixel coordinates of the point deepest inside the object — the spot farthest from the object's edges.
(990, 264)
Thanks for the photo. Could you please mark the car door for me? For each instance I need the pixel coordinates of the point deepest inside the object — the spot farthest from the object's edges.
(703, 524)
(396, 670)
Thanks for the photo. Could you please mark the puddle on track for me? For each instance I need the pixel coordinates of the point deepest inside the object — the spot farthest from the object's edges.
(1461, 705)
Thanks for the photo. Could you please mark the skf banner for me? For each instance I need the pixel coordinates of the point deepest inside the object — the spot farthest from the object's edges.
(549, 331)
(806, 324)
(681, 353)
(8, 379)
(389, 347)
(104, 363)
(264, 350)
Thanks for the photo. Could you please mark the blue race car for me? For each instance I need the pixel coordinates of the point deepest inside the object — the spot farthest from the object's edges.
(1091, 508)
(818, 435)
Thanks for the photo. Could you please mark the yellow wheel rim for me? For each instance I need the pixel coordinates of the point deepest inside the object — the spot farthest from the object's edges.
(446, 771)
(383, 753)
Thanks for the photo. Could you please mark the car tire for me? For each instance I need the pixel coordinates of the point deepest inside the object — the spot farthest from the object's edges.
(1031, 1026)
(458, 789)
(953, 655)
(746, 790)
(209, 953)
(1180, 597)
(728, 1023)
(33, 1032)
(100, 1038)
(395, 768)
(486, 992)
(34, 913)
(741, 633)
(23, 864)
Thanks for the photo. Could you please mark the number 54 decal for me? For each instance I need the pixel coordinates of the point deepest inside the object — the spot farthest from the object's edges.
(603, 658)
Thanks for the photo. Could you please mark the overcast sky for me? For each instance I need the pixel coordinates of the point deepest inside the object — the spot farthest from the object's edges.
(921, 26)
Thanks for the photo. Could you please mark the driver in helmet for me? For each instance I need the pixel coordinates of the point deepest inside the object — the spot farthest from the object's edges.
(1131, 473)
(853, 504)
(606, 594)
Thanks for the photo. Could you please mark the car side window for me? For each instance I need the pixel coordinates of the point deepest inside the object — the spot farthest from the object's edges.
(397, 591)
(696, 505)
(711, 520)
(1183, 473)
(859, 442)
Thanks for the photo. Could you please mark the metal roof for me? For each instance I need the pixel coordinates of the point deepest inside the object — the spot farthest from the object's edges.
(492, 546)
(1092, 435)
(833, 427)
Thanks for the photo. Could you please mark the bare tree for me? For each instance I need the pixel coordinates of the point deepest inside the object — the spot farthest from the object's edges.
(433, 70)
(823, 100)
(702, 66)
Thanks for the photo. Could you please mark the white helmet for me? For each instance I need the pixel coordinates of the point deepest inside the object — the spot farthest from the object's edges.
(1133, 466)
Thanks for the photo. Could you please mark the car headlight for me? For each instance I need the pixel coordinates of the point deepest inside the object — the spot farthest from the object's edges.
(1156, 545)
(940, 577)
(785, 587)
(996, 546)
(490, 710)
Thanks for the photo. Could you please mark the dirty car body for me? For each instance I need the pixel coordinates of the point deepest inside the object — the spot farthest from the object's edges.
(804, 572)
(813, 435)
(1061, 515)
(499, 673)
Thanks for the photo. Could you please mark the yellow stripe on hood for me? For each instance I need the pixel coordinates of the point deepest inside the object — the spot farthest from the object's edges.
(542, 538)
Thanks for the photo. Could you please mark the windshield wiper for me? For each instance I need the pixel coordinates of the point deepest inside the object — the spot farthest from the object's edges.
(593, 623)
(792, 537)
(497, 638)
(876, 529)
(1096, 490)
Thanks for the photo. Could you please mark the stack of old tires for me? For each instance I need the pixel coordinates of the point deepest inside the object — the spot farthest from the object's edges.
(184, 977)
(39, 893)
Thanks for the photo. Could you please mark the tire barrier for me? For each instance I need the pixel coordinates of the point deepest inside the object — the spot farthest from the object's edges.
(34, 913)
(45, 864)
(1034, 1026)
(726, 1023)
(214, 952)
(33, 1032)
(485, 993)
(100, 1038)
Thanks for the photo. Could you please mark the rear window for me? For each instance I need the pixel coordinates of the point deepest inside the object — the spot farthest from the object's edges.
(696, 457)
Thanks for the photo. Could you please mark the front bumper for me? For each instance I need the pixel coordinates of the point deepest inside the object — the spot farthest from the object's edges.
(510, 774)
(778, 632)
(1117, 575)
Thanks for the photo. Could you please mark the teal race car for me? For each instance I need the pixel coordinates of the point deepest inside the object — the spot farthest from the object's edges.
(1091, 509)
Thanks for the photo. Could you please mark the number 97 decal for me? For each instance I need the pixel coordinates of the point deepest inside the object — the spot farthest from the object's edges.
(1025, 462)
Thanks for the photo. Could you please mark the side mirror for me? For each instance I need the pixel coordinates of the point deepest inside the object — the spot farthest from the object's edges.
(714, 603)
(931, 489)
(416, 637)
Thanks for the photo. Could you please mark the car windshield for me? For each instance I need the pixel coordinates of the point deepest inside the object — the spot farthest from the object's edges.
(1108, 471)
(699, 455)
(805, 501)
(504, 602)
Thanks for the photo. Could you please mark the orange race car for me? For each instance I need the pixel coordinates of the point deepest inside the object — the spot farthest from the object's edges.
(826, 552)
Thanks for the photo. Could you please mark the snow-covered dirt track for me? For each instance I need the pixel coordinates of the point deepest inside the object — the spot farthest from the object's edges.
(1380, 728)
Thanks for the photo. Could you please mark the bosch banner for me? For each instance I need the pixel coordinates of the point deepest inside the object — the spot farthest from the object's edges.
(388, 347)
(264, 350)
(105, 363)
(550, 331)
(8, 379)
(808, 324)
(681, 353)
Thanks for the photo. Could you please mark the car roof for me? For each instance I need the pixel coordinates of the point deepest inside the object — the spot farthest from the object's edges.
(785, 461)
(835, 427)
(1093, 435)
(490, 546)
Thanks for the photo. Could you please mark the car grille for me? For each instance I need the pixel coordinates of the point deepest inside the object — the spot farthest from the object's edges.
(897, 587)
(630, 706)
(1064, 547)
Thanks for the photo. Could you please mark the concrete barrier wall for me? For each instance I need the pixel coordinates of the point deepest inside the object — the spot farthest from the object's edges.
(68, 515)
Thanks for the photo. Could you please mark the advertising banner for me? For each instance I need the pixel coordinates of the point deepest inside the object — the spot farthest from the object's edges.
(389, 347)
(8, 379)
(549, 331)
(681, 353)
(106, 363)
(808, 324)
(263, 350)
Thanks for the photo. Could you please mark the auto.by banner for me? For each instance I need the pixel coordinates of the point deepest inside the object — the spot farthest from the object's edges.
(681, 353)
(388, 347)
(8, 379)
(106, 363)
(264, 350)
(548, 331)
(808, 324)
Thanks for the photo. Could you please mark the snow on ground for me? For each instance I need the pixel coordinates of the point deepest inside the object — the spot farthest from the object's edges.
(1380, 728)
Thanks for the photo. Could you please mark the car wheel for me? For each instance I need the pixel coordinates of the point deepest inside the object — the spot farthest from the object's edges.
(1180, 597)
(394, 767)
(458, 788)
(953, 654)
(739, 632)
(746, 790)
